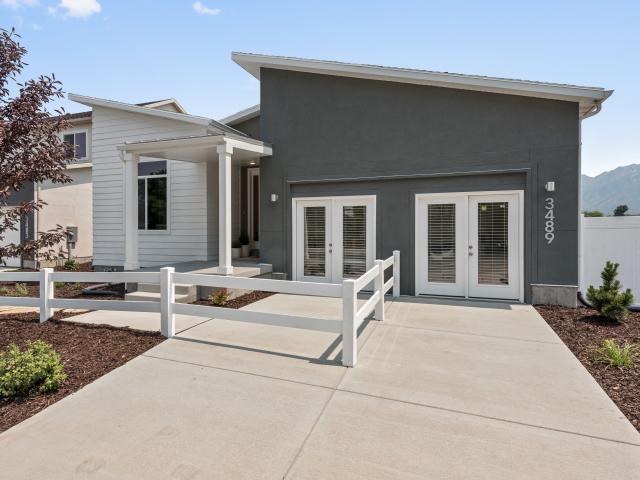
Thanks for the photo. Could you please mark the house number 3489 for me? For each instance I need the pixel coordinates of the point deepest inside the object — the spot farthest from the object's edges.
(549, 223)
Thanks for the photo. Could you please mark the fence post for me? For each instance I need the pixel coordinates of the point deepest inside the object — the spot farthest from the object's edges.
(396, 273)
(167, 298)
(349, 330)
(378, 283)
(46, 294)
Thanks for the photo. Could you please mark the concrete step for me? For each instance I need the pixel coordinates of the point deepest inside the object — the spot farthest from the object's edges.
(181, 288)
(155, 297)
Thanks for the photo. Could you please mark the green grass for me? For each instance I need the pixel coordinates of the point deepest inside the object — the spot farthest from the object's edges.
(614, 355)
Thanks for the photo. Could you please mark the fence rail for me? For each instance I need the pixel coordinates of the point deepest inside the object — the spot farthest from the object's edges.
(352, 315)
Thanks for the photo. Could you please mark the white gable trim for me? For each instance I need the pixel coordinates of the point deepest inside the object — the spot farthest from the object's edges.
(242, 115)
(128, 107)
(587, 97)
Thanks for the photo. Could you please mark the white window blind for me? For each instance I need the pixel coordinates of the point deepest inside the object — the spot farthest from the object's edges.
(493, 243)
(441, 243)
(354, 238)
(315, 241)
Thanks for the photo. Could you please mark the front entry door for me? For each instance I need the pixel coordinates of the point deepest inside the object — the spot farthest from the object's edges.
(334, 238)
(468, 245)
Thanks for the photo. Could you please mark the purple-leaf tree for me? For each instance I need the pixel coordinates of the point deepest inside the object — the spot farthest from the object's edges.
(31, 148)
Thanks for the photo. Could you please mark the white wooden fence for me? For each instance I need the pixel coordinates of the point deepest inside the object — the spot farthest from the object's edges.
(352, 316)
(610, 238)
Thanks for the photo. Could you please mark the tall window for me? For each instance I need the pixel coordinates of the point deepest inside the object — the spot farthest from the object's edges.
(152, 195)
(79, 142)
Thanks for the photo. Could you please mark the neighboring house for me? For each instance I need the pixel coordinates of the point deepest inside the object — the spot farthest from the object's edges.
(474, 179)
(68, 204)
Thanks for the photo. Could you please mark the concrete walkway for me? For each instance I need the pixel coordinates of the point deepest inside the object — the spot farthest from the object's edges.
(441, 391)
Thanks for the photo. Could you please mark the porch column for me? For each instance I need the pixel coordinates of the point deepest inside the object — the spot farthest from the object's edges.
(224, 206)
(131, 211)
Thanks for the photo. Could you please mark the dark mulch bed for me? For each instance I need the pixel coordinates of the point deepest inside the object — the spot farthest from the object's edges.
(66, 290)
(583, 331)
(241, 301)
(87, 352)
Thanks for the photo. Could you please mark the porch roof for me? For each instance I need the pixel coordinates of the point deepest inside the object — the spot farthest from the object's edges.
(200, 148)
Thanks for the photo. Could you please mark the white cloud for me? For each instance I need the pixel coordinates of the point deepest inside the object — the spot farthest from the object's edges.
(19, 3)
(78, 8)
(202, 9)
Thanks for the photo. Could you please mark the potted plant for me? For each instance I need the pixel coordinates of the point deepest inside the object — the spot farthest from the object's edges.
(235, 250)
(244, 242)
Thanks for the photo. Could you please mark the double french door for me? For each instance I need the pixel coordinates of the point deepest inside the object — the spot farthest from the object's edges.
(469, 245)
(333, 237)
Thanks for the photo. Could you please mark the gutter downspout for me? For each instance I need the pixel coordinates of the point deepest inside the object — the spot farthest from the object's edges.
(597, 106)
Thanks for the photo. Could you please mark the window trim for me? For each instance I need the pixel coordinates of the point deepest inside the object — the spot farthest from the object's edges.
(167, 230)
(87, 144)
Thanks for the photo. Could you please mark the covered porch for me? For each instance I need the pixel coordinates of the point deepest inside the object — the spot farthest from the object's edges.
(226, 150)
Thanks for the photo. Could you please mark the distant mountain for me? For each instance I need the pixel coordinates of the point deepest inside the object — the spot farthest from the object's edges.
(610, 189)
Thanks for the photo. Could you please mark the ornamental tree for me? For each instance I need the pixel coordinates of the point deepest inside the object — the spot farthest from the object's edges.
(607, 299)
(31, 149)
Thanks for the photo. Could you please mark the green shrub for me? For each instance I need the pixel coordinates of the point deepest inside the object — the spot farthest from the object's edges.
(593, 213)
(219, 297)
(4, 291)
(20, 290)
(607, 299)
(71, 265)
(35, 369)
(614, 355)
(58, 284)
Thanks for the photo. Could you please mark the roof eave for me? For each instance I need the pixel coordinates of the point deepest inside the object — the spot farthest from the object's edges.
(586, 96)
(99, 102)
(241, 116)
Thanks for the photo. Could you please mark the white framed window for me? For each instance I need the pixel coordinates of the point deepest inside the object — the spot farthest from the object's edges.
(79, 141)
(152, 195)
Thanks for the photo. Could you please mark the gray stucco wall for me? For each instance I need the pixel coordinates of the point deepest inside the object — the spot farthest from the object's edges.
(343, 136)
(251, 127)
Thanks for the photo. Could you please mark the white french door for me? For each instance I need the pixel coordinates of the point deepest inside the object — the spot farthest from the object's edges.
(494, 256)
(441, 245)
(333, 238)
(469, 245)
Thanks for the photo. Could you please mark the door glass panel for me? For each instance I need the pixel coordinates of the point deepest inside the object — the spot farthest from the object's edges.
(255, 211)
(314, 241)
(441, 238)
(493, 243)
(354, 240)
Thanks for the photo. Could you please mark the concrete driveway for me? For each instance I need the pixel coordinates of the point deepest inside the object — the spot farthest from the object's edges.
(441, 391)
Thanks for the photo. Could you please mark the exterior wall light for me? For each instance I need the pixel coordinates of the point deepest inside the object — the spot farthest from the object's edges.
(274, 197)
(550, 186)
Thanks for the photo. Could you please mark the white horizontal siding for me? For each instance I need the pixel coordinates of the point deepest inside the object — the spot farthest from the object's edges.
(186, 238)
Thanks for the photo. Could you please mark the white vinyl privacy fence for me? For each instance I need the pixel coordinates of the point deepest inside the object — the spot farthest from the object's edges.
(352, 314)
(610, 238)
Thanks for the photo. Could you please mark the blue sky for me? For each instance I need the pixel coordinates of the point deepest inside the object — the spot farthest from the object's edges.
(142, 50)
